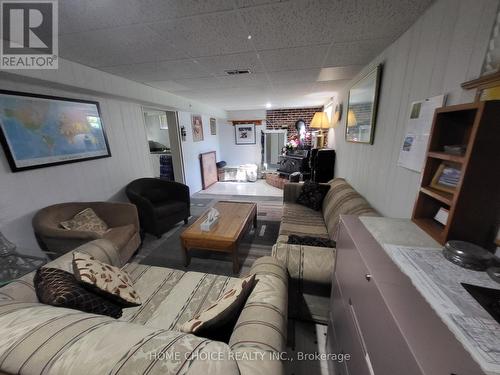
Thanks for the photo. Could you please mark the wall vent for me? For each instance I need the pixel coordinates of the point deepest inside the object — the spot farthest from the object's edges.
(235, 72)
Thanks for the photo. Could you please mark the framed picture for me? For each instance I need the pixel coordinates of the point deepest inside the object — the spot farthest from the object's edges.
(197, 126)
(446, 177)
(213, 126)
(244, 134)
(362, 108)
(38, 131)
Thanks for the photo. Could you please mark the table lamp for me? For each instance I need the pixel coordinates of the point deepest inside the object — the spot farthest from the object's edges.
(320, 121)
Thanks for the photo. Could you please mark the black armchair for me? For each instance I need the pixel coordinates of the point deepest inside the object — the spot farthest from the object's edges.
(160, 204)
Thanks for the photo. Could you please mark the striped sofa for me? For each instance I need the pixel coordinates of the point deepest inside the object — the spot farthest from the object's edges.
(310, 268)
(42, 339)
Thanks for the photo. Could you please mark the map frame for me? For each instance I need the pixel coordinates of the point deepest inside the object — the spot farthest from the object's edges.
(63, 159)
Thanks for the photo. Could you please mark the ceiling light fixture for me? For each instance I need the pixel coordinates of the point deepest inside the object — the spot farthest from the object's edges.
(268, 105)
(249, 37)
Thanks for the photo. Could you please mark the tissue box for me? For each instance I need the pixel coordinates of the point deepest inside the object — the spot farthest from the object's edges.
(206, 226)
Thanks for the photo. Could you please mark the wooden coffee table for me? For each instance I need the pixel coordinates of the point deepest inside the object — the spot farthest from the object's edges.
(234, 221)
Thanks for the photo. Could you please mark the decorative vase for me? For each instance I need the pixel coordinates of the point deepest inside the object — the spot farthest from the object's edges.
(6, 247)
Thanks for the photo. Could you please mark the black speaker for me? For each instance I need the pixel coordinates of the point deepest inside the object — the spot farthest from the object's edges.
(322, 164)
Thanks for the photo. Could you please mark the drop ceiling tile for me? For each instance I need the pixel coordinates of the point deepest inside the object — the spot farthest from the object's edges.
(131, 44)
(87, 15)
(168, 86)
(330, 86)
(339, 72)
(306, 22)
(294, 58)
(218, 64)
(355, 52)
(206, 35)
(252, 3)
(160, 71)
(159, 10)
(289, 24)
(291, 76)
(221, 82)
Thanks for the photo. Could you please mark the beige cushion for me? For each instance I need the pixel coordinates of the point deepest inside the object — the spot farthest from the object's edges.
(120, 236)
(222, 310)
(342, 199)
(87, 221)
(302, 221)
(110, 280)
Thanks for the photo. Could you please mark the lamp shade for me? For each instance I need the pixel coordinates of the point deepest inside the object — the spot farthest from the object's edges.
(351, 118)
(320, 121)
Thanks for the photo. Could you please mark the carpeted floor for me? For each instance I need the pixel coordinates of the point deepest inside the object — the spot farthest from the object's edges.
(167, 251)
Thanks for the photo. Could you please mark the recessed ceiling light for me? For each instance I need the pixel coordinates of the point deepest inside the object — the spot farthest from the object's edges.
(249, 37)
(268, 105)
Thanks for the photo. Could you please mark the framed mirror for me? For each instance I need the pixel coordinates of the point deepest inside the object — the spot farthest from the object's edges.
(362, 108)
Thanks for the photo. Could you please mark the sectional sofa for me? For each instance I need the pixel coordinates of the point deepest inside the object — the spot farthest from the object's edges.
(310, 268)
(42, 339)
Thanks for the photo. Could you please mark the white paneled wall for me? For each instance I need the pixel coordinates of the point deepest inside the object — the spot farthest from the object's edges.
(192, 150)
(444, 48)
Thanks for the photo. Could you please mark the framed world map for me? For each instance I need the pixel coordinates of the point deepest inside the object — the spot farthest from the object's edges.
(38, 131)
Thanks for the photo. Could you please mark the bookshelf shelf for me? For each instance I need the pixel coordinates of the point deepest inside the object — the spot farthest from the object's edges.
(473, 209)
(446, 156)
(443, 197)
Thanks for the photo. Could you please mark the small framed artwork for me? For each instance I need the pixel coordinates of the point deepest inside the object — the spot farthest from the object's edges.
(40, 131)
(362, 108)
(244, 134)
(446, 177)
(197, 125)
(213, 126)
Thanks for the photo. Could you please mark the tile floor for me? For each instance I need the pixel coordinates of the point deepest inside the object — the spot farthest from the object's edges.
(258, 188)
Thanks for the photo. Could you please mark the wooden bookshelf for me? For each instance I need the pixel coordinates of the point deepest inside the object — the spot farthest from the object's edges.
(474, 203)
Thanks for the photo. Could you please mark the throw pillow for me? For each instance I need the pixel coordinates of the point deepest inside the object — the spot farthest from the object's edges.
(105, 279)
(60, 288)
(312, 195)
(310, 241)
(87, 221)
(220, 318)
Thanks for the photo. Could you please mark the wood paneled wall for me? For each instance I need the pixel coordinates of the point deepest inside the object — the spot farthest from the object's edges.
(444, 48)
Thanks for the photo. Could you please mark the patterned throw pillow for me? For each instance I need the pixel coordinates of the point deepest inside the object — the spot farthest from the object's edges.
(312, 195)
(310, 241)
(105, 279)
(225, 310)
(60, 288)
(87, 221)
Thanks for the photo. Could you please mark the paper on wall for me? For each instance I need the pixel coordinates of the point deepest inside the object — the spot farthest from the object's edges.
(418, 128)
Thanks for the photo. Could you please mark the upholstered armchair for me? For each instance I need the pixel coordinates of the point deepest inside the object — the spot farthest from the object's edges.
(121, 218)
(160, 203)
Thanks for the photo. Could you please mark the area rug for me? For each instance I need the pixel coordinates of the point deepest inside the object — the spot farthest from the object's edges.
(167, 251)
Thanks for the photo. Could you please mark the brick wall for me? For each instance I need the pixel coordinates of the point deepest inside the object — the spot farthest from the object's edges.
(286, 118)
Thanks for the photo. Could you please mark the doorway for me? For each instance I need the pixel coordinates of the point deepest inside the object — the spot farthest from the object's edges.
(163, 139)
(274, 141)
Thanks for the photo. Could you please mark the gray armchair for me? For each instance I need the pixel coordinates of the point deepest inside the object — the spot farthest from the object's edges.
(122, 219)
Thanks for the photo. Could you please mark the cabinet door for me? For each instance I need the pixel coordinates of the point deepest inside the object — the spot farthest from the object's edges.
(347, 336)
(385, 350)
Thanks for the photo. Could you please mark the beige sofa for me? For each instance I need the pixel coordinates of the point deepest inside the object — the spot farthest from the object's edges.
(122, 218)
(42, 339)
(310, 268)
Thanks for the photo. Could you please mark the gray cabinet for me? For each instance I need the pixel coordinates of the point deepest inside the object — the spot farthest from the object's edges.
(381, 320)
